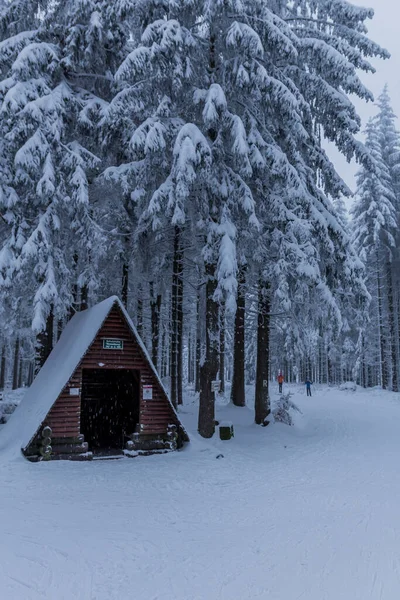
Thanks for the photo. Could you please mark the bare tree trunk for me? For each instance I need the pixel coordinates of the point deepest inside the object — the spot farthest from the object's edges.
(189, 358)
(262, 403)
(74, 305)
(383, 372)
(125, 284)
(179, 325)
(198, 342)
(209, 368)
(15, 365)
(174, 321)
(44, 341)
(392, 328)
(320, 355)
(155, 306)
(84, 297)
(20, 373)
(164, 355)
(31, 372)
(238, 396)
(60, 327)
(3, 368)
(222, 347)
(139, 312)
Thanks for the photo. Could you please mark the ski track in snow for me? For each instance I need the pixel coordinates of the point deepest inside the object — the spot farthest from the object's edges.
(302, 513)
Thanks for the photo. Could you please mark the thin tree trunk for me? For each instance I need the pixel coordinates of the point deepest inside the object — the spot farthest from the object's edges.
(209, 367)
(60, 326)
(198, 342)
(125, 284)
(20, 373)
(139, 312)
(15, 365)
(392, 329)
(189, 358)
(164, 354)
(262, 403)
(179, 325)
(3, 368)
(238, 396)
(222, 347)
(84, 297)
(44, 343)
(74, 305)
(31, 372)
(320, 355)
(381, 331)
(155, 307)
(174, 321)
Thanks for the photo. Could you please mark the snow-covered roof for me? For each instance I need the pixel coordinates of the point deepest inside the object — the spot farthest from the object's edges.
(73, 344)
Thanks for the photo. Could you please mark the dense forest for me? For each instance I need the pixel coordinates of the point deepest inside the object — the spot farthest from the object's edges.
(173, 153)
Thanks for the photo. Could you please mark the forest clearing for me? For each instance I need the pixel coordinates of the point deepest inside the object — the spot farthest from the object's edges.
(309, 511)
(199, 300)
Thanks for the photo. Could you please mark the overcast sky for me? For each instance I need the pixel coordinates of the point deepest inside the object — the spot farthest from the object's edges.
(383, 29)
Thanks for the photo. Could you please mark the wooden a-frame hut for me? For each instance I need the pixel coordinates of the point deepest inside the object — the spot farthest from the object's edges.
(97, 395)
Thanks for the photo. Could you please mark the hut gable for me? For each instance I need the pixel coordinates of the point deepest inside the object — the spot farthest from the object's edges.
(95, 345)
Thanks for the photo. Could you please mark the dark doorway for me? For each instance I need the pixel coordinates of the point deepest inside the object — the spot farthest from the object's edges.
(110, 407)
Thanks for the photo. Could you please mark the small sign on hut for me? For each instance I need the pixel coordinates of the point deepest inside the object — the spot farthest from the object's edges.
(97, 394)
(110, 344)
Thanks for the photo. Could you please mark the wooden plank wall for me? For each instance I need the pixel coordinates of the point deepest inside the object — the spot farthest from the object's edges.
(155, 414)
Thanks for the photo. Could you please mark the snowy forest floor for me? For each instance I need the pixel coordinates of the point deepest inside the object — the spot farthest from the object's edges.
(290, 513)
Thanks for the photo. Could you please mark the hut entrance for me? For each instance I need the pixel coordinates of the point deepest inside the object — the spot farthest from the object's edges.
(109, 407)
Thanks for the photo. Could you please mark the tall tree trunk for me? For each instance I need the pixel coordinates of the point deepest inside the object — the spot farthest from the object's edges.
(179, 325)
(222, 347)
(75, 289)
(320, 355)
(31, 372)
(177, 321)
(164, 354)
(383, 372)
(125, 284)
(44, 341)
(262, 403)
(198, 342)
(84, 297)
(139, 311)
(20, 373)
(3, 368)
(189, 358)
(174, 321)
(330, 374)
(238, 396)
(392, 328)
(15, 365)
(60, 327)
(209, 367)
(155, 308)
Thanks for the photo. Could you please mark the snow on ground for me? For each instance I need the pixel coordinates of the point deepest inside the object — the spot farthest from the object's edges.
(289, 513)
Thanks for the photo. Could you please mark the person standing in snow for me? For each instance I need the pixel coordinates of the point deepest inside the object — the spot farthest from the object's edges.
(280, 382)
(308, 387)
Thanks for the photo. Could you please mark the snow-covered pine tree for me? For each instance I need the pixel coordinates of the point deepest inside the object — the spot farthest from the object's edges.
(215, 101)
(312, 254)
(374, 228)
(189, 150)
(56, 73)
(389, 139)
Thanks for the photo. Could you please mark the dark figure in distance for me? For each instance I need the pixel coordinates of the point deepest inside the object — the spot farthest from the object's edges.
(280, 382)
(308, 387)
